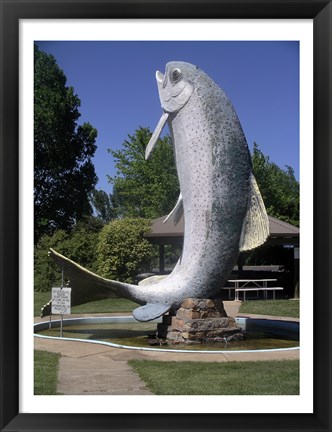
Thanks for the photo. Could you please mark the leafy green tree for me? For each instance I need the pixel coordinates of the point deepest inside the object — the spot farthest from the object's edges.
(102, 204)
(122, 252)
(79, 245)
(279, 188)
(46, 273)
(63, 171)
(144, 188)
(90, 224)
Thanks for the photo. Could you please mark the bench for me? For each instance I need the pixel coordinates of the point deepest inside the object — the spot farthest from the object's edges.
(264, 289)
(274, 289)
(229, 288)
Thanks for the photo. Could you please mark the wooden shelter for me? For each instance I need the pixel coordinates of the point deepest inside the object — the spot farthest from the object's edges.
(281, 233)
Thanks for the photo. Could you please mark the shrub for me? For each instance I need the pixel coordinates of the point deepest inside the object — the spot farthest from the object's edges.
(122, 251)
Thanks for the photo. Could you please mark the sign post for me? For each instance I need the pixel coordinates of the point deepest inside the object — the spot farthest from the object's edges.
(61, 302)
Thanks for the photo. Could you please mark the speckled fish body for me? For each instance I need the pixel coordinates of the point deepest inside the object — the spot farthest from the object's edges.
(219, 197)
(214, 169)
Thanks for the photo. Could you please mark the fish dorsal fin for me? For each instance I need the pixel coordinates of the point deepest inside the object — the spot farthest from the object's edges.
(177, 212)
(255, 229)
(150, 311)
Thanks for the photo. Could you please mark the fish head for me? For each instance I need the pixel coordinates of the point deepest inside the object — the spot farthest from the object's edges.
(175, 89)
(175, 85)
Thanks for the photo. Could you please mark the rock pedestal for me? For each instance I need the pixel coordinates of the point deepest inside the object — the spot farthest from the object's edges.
(199, 321)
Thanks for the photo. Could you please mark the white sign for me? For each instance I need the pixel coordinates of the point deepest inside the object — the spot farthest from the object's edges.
(61, 301)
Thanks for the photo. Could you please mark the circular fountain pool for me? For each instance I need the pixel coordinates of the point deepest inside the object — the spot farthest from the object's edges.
(126, 332)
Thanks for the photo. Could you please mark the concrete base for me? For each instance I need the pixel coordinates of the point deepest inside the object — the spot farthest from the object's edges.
(199, 321)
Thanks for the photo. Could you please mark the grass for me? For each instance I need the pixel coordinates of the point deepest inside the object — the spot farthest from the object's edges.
(106, 306)
(285, 308)
(40, 298)
(46, 366)
(100, 306)
(231, 378)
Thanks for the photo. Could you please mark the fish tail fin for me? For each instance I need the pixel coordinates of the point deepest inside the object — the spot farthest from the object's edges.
(88, 286)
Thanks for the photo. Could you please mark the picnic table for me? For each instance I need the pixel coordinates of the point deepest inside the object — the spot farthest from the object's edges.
(247, 285)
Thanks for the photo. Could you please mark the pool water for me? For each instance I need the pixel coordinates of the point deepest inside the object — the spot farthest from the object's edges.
(135, 334)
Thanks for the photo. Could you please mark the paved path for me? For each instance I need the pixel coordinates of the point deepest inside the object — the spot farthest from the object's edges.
(94, 369)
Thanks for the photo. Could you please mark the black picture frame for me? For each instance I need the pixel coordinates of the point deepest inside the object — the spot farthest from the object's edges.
(11, 12)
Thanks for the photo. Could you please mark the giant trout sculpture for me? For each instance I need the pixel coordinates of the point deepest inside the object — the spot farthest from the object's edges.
(223, 210)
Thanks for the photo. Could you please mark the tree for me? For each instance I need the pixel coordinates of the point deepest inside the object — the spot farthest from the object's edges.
(63, 170)
(102, 203)
(144, 188)
(79, 245)
(46, 273)
(122, 252)
(279, 188)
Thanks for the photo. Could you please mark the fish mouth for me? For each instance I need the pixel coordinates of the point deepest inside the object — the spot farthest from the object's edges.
(159, 77)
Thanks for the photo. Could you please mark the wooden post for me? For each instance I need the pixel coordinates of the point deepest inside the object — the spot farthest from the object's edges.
(240, 264)
(161, 258)
(296, 272)
(61, 323)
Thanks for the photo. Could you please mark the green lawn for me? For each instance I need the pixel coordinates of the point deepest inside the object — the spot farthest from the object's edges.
(286, 308)
(46, 366)
(106, 306)
(39, 299)
(100, 306)
(231, 378)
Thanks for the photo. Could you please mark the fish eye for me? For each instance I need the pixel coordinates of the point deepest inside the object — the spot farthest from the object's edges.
(176, 75)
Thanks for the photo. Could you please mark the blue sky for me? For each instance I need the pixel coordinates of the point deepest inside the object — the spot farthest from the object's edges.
(115, 82)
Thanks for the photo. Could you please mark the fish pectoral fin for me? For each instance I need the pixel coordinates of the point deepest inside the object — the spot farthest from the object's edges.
(152, 280)
(255, 229)
(156, 134)
(177, 212)
(150, 311)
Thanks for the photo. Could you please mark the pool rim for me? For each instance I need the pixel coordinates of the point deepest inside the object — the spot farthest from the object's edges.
(128, 319)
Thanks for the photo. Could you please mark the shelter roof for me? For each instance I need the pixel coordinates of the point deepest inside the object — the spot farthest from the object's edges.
(168, 233)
